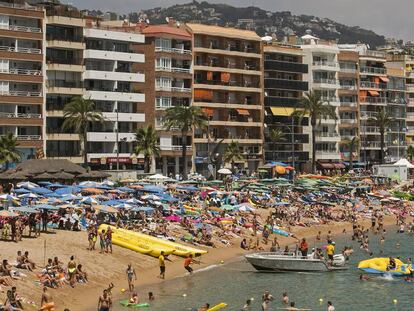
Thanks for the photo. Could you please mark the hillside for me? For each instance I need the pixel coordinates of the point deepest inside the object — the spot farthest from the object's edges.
(263, 22)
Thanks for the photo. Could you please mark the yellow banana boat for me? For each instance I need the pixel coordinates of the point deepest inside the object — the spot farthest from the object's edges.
(146, 244)
(380, 265)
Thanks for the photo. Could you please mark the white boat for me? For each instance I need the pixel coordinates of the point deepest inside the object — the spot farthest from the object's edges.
(294, 262)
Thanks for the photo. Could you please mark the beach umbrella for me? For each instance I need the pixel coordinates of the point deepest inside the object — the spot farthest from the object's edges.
(111, 202)
(123, 205)
(88, 184)
(145, 209)
(27, 185)
(5, 213)
(88, 200)
(46, 207)
(224, 171)
(21, 190)
(103, 187)
(69, 197)
(158, 177)
(107, 182)
(41, 190)
(150, 197)
(187, 188)
(126, 189)
(68, 190)
(105, 209)
(24, 209)
(133, 201)
(29, 195)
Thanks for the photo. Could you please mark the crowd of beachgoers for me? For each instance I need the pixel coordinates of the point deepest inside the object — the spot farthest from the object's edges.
(251, 213)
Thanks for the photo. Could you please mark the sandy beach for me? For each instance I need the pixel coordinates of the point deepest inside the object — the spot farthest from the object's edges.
(105, 268)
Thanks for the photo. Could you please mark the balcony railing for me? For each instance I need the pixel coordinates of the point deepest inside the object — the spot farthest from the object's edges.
(172, 50)
(327, 152)
(21, 28)
(230, 83)
(21, 93)
(326, 64)
(373, 70)
(175, 148)
(326, 81)
(374, 100)
(372, 144)
(13, 115)
(348, 69)
(68, 60)
(348, 104)
(378, 54)
(64, 83)
(372, 85)
(17, 71)
(348, 86)
(286, 84)
(27, 137)
(172, 89)
(285, 66)
(20, 50)
(20, 6)
(326, 134)
(349, 121)
(368, 114)
(369, 129)
(173, 69)
(62, 37)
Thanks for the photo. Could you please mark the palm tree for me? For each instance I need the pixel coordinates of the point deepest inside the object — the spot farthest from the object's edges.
(351, 145)
(410, 152)
(276, 135)
(8, 149)
(233, 153)
(313, 106)
(147, 145)
(78, 113)
(185, 119)
(382, 120)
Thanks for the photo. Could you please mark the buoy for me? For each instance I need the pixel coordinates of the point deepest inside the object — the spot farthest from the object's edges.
(395, 301)
(320, 300)
(184, 295)
(123, 290)
(222, 261)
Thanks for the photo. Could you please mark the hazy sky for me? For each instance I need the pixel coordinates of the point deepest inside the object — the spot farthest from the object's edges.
(387, 17)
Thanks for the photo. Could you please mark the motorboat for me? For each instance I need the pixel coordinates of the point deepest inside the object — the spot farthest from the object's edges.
(276, 262)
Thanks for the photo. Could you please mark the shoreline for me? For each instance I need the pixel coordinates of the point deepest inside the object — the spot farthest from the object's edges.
(233, 254)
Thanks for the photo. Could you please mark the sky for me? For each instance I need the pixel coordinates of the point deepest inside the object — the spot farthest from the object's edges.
(392, 18)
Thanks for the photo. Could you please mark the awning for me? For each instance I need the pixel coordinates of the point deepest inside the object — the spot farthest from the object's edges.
(282, 111)
(384, 79)
(339, 165)
(208, 112)
(243, 112)
(373, 93)
(326, 165)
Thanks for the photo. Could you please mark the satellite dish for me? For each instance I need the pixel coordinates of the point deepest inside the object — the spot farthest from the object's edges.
(178, 24)
(147, 21)
(167, 19)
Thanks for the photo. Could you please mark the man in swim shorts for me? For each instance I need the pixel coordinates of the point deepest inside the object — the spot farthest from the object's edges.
(104, 302)
(47, 302)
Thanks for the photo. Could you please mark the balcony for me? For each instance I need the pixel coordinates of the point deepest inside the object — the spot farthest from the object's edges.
(12, 115)
(326, 83)
(351, 87)
(368, 114)
(327, 137)
(372, 85)
(328, 154)
(373, 70)
(22, 28)
(374, 54)
(174, 148)
(381, 101)
(20, 50)
(271, 101)
(172, 89)
(370, 130)
(21, 93)
(236, 86)
(284, 84)
(28, 137)
(325, 65)
(227, 50)
(17, 71)
(285, 66)
(347, 69)
(372, 145)
(113, 76)
(349, 121)
(107, 95)
(109, 136)
(116, 35)
(113, 55)
(173, 69)
(21, 75)
(348, 104)
(172, 50)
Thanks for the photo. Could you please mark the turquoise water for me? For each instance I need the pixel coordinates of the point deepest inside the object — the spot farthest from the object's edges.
(234, 283)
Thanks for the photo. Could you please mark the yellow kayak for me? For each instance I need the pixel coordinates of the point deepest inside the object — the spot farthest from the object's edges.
(218, 307)
(146, 244)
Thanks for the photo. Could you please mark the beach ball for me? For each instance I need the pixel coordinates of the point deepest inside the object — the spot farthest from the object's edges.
(280, 170)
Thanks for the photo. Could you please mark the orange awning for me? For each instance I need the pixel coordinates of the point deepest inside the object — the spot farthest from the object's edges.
(384, 79)
(208, 111)
(373, 93)
(243, 112)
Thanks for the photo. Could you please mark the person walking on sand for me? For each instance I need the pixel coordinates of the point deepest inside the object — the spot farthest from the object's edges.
(161, 260)
(131, 275)
(102, 241)
(71, 271)
(47, 303)
(187, 263)
(104, 302)
(108, 240)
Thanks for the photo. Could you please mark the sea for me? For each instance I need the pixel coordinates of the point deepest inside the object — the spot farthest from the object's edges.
(235, 282)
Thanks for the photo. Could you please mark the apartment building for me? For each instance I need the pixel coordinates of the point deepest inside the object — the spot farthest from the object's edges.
(322, 59)
(283, 89)
(112, 79)
(397, 103)
(349, 114)
(169, 75)
(227, 85)
(64, 69)
(22, 75)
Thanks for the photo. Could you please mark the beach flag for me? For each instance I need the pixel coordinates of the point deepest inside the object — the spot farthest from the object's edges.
(39, 153)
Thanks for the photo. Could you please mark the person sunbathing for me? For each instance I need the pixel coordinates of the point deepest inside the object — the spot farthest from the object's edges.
(28, 261)
(81, 275)
(20, 262)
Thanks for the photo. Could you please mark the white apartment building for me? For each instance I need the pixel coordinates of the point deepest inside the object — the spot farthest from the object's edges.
(322, 60)
(109, 79)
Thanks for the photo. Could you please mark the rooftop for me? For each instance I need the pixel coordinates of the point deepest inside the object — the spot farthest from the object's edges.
(218, 31)
(163, 30)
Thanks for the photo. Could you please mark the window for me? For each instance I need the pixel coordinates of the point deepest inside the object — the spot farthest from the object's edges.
(162, 102)
(163, 43)
(163, 62)
(163, 82)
